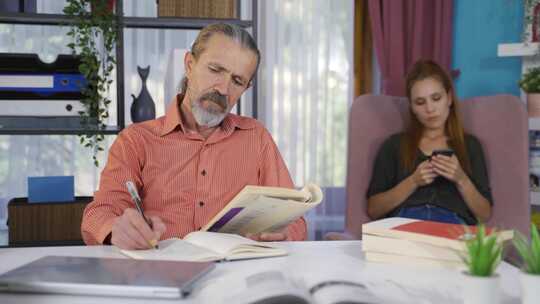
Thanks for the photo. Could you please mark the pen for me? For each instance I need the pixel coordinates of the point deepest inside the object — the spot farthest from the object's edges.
(138, 203)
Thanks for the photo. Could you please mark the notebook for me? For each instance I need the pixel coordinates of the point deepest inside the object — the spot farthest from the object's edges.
(105, 276)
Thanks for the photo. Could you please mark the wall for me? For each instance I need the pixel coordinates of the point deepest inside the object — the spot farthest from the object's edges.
(479, 26)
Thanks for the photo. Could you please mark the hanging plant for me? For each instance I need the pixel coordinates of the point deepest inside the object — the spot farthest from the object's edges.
(94, 35)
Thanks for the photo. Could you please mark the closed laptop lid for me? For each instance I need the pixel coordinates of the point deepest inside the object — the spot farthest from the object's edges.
(105, 276)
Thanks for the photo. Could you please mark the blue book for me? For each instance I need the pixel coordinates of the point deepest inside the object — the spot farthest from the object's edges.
(50, 189)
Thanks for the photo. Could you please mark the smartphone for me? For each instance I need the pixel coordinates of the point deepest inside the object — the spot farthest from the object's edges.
(447, 152)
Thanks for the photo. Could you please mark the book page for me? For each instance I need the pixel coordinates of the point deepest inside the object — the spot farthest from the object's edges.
(264, 209)
(283, 193)
(254, 288)
(175, 250)
(335, 283)
(233, 246)
(264, 214)
(339, 291)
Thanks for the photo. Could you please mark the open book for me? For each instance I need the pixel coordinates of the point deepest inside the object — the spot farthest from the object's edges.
(258, 209)
(208, 246)
(274, 286)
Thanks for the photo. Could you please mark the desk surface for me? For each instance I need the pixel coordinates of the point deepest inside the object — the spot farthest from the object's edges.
(395, 284)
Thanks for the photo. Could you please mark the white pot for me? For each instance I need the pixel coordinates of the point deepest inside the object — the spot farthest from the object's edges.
(481, 290)
(530, 288)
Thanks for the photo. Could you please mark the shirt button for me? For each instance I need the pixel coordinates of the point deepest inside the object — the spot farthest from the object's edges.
(201, 204)
(203, 172)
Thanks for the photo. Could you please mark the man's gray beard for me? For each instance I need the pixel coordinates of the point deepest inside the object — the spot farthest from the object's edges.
(205, 118)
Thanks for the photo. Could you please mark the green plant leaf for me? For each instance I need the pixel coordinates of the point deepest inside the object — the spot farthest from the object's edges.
(483, 253)
(92, 32)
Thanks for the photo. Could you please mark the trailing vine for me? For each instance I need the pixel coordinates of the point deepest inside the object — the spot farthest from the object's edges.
(94, 36)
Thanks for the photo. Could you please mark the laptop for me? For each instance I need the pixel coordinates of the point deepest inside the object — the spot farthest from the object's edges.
(105, 277)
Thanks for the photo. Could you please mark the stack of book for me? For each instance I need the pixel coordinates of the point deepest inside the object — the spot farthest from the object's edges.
(418, 242)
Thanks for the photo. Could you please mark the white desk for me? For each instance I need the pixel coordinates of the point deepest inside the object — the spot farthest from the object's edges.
(395, 284)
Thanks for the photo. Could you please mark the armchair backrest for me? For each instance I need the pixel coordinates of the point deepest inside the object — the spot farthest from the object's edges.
(372, 118)
(499, 122)
(501, 125)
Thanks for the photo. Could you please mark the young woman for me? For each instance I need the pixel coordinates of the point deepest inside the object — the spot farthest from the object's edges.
(409, 180)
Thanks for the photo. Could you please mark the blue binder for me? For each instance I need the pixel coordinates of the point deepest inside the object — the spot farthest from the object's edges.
(26, 77)
(47, 189)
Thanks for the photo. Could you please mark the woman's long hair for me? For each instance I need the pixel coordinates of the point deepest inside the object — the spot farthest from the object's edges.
(410, 142)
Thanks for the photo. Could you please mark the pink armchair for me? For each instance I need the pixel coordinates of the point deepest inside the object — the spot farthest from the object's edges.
(499, 122)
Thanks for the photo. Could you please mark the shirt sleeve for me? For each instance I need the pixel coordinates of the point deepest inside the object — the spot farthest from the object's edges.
(273, 172)
(385, 169)
(111, 199)
(479, 172)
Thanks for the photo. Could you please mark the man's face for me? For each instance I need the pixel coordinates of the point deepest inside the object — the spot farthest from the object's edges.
(218, 78)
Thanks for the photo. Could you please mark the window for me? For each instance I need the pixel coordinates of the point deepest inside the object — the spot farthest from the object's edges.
(305, 92)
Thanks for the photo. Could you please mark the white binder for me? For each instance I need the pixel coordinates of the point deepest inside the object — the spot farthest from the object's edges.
(40, 107)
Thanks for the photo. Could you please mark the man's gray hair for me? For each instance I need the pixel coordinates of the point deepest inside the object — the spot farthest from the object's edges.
(236, 33)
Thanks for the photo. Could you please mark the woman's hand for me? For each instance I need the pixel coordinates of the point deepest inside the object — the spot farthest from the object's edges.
(424, 174)
(449, 167)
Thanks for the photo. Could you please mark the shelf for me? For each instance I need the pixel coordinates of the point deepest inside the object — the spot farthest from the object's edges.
(129, 22)
(177, 23)
(36, 19)
(517, 49)
(110, 130)
(42, 127)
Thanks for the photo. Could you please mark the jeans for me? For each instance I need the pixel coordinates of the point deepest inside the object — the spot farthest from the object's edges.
(431, 213)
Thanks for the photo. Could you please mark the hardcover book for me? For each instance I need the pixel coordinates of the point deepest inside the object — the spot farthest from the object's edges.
(386, 245)
(428, 232)
(413, 261)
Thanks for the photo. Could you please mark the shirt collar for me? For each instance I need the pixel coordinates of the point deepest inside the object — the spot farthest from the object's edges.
(173, 119)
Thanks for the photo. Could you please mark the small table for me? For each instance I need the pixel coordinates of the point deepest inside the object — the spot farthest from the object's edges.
(46, 224)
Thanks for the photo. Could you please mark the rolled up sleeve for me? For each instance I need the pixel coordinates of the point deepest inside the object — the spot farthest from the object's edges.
(112, 199)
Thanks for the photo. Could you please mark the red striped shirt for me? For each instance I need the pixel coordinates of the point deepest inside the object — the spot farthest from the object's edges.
(183, 178)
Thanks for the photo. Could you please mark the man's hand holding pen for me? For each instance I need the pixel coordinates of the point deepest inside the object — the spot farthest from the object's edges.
(134, 230)
(130, 230)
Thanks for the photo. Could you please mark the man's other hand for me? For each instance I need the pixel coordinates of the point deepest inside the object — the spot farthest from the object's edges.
(268, 236)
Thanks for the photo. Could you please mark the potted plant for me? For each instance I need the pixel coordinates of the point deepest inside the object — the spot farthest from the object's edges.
(483, 255)
(530, 274)
(94, 32)
(530, 83)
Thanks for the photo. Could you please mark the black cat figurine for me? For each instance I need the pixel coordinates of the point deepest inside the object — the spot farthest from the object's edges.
(143, 107)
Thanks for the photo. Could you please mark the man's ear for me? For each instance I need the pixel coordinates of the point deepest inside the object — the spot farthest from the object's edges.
(189, 60)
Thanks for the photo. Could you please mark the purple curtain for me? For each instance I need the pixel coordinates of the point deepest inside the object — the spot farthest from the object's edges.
(407, 30)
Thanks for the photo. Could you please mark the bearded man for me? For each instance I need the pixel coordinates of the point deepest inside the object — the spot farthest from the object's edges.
(188, 164)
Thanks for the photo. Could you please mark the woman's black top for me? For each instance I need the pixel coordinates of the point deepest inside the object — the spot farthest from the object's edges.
(388, 172)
